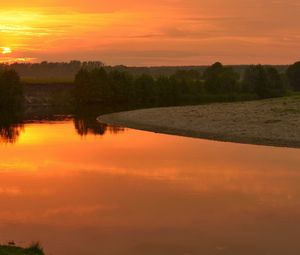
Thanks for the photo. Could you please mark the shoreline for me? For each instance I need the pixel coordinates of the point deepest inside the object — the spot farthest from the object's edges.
(270, 122)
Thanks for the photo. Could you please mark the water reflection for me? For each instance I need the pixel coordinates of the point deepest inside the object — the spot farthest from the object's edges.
(11, 125)
(85, 123)
(89, 125)
(140, 193)
(85, 120)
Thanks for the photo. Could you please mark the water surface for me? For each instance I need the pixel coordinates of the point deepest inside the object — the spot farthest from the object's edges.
(89, 190)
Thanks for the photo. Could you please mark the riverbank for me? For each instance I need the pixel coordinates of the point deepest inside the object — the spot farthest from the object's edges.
(272, 122)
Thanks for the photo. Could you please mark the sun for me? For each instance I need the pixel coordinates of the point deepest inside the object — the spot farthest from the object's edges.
(6, 50)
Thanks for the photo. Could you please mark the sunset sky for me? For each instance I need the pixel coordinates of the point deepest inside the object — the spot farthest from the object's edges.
(157, 32)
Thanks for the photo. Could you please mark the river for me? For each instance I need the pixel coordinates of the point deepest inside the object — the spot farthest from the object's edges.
(112, 191)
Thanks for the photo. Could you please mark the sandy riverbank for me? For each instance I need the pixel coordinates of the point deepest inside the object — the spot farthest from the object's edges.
(273, 122)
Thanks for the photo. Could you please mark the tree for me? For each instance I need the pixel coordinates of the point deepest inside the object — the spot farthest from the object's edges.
(81, 86)
(220, 79)
(184, 81)
(121, 84)
(92, 86)
(293, 74)
(264, 81)
(11, 89)
(254, 77)
(165, 90)
(277, 85)
(144, 89)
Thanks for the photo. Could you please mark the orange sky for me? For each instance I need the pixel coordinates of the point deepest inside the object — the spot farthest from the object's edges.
(157, 32)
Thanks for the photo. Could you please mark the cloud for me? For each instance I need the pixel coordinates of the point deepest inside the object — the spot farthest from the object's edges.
(161, 29)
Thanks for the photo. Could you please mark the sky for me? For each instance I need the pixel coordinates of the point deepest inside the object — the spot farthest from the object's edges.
(151, 33)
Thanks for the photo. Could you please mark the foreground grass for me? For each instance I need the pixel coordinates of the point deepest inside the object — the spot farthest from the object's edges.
(34, 249)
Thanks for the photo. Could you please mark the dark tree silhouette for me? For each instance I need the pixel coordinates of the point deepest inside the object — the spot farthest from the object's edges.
(218, 83)
(11, 125)
(220, 79)
(121, 85)
(92, 86)
(11, 90)
(85, 121)
(144, 89)
(264, 81)
(293, 74)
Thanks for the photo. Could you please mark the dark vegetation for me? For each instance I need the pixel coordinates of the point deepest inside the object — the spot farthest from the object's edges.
(215, 83)
(110, 89)
(265, 82)
(85, 121)
(11, 125)
(49, 72)
(11, 90)
(293, 75)
(11, 249)
(95, 83)
(11, 105)
(56, 94)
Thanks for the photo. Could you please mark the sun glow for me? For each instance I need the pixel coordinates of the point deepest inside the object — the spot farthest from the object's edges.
(174, 32)
(6, 50)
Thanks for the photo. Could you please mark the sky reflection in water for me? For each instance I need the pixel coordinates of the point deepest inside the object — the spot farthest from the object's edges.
(134, 192)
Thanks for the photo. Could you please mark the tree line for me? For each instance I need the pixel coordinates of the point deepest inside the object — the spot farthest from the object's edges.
(217, 82)
(51, 70)
(114, 87)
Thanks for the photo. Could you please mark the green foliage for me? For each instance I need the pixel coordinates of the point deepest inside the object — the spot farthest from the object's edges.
(113, 86)
(264, 81)
(49, 72)
(64, 72)
(34, 249)
(144, 90)
(293, 74)
(218, 83)
(11, 90)
(220, 79)
(121, 85)
(92, 86)
(165, 91)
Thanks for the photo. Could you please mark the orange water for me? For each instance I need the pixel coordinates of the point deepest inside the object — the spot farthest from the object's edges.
(140, 193)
